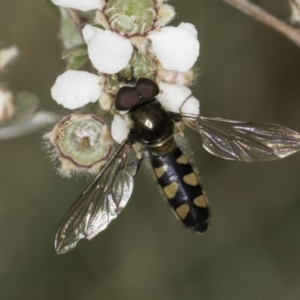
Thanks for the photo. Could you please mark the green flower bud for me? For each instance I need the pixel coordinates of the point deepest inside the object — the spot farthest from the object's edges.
(140, 65)
(130, 17)
(82, 143)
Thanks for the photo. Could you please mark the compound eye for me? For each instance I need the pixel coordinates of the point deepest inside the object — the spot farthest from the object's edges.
(147, 88)
(126, 98)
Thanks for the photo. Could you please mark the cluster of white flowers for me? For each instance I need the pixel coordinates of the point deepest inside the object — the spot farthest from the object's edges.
(132, 34)
(18, 115)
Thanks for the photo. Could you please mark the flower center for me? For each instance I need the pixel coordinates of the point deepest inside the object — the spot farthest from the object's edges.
(131, 17)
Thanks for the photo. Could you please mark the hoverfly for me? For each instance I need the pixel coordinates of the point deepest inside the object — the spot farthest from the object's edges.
(153, 127)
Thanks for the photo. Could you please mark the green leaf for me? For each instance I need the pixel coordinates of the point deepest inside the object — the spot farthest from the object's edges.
(76, 57)
(77, 62)
(79, 50)
(69, 32)
(53, 7)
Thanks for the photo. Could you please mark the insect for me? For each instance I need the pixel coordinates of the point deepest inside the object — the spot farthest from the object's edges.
(153, 127)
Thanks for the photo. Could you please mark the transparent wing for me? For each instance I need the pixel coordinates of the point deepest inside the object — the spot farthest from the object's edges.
(242, 140)
(100, 203)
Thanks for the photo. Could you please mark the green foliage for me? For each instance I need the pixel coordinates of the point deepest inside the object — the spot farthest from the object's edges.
(76, 57)
(53, 7)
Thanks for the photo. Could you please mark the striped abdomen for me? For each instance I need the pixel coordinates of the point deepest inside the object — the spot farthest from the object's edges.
(182, 188)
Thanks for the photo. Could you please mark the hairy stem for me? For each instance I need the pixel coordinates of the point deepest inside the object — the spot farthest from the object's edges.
(262, 16)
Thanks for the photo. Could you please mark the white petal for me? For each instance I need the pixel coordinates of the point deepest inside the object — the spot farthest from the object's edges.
(8, 55)
(119, 129)
(190, 27)
(89, 32)
(6, 104)
(174, 77)
(178, 98)
(191, 106)
(176, 48)
(83, 5)
(74, 89)
(108, 51)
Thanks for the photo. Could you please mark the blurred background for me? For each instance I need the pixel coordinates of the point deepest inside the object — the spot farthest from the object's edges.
(252, 248)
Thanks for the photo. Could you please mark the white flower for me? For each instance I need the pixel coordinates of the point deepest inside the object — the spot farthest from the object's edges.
(108, 51)
(83, 5)
(178, 99)
(190, 27)
(74, 89)
(7, 55)
(177, 48)
(6, 104)
(119, 129)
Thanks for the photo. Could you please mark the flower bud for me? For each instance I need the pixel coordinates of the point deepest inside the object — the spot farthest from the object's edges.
(82, 143)
(7, 55)
(131, 17)
(6, 104)
(295, 12)
(141, 64)
(182, 78)
(165, 14)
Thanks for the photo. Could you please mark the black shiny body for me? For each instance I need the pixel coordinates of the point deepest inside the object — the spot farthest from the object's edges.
(153, 126)
(196, 217)
(151, 123)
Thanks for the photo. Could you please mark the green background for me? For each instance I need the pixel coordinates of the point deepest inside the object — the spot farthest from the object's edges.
(252, 248)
